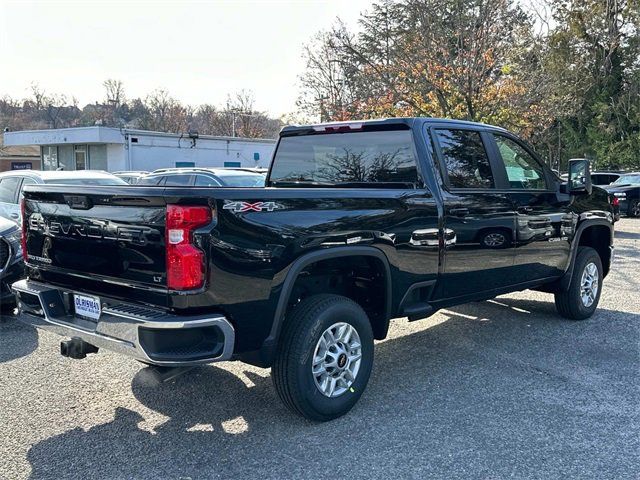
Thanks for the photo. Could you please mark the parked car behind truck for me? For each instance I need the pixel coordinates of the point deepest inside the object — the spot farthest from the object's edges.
(604, 178)
(204, 177)
(361, 223)
(13, 182)
(11, 265)
(626, 190)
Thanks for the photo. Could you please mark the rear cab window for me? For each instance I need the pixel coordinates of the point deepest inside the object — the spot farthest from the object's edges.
(383, 157)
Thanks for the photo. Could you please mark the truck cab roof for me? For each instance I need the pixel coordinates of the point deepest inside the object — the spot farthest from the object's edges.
(384, 122)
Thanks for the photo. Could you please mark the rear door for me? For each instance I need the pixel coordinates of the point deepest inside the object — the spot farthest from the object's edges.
(541, 249)
(478, 214)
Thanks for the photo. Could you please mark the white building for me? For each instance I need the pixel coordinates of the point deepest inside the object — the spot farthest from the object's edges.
(115, 149)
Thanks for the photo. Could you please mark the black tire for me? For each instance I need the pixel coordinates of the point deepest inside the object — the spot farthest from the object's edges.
(291, 371)
(634, 208)
(569, 303)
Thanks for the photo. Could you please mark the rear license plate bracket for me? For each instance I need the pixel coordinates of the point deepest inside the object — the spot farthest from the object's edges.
(87, 306)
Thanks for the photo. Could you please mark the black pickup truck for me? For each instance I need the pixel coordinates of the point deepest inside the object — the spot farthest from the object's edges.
(359, 223)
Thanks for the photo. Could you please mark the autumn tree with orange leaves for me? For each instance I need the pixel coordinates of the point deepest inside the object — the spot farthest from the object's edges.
(422, 57)
(536, 67)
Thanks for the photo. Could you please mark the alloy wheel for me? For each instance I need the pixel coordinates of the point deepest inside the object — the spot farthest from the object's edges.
(589, 284)
(336, 359)
(494, 240)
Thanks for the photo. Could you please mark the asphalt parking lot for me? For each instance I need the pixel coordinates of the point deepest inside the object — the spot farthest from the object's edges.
(497, 389)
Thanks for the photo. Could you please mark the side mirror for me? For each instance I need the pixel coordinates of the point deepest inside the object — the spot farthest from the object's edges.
(579, 177)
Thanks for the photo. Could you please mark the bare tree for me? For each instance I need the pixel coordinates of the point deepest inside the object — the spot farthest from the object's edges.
(239, 118)
(165, 113)
(114, 91)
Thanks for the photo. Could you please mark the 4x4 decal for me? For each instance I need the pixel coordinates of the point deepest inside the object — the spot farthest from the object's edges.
(239, 207)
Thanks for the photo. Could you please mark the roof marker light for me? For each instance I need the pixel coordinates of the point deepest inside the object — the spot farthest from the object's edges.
(338, 127)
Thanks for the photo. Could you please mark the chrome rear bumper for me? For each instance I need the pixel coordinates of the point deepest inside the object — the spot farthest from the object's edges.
(151, 336)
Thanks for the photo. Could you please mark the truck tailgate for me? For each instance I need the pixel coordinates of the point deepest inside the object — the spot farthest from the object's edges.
(97, 233)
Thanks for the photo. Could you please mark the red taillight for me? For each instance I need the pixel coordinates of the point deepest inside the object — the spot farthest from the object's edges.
(185, 262)
(24, 231)
(615, 202)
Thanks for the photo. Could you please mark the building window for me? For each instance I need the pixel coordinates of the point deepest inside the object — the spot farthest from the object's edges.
(49, 157)
(185, 164)
(80, 154)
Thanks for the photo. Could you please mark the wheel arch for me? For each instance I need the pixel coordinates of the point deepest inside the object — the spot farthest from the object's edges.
(590, 233)
(300, 264)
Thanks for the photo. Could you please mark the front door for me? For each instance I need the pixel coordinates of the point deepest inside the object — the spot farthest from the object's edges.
(80, 153)
(478, 217)
(542, 246)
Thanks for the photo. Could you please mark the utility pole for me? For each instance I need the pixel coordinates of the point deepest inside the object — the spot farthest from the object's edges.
(233, 123)
(321, 100)
(237, 113)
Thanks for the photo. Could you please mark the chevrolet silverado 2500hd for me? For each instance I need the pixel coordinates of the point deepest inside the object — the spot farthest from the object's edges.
(359, 223)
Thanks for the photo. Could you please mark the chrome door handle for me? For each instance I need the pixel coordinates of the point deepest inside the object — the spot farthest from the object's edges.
(427, 237)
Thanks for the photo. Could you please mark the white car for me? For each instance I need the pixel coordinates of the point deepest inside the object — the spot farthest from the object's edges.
(12, 183)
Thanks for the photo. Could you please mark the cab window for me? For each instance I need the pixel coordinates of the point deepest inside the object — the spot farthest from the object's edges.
(179, 180)
(8, 189)
(206, 181)
(465, 158)
(152, 181)
(523, 171)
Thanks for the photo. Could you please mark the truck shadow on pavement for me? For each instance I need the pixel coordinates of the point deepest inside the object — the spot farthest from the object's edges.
(16, 339)
(495, 389)
(627, 235)
(623, 234)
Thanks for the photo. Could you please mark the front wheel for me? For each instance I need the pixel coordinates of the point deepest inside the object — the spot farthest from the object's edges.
(634, 208)
(582, 297)
(324, 358)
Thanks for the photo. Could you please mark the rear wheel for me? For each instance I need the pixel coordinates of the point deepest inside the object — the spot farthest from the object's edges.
(634, 208)
(324, 358)
(582, 297)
